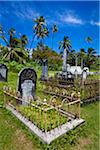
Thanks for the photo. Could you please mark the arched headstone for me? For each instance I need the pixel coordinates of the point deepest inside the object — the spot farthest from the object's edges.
(3, 72)
(27, 83)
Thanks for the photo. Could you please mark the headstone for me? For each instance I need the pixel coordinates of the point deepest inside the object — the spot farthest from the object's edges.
(76, 73)
(27, 83)
(84, 75)
(3, 72)
(44, 69)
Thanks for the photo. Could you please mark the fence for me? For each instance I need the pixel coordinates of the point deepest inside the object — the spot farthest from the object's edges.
(89, 89)
(46, 115)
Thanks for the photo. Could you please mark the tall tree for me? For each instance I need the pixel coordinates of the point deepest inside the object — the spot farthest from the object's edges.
(90, 56)
(54, 30)
(65, 45)
(40, 29)
(15, 49)
(24, 41)
(11, 33)
(2, 35)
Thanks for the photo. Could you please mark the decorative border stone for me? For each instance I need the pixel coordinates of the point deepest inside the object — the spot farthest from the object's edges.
(49, 136)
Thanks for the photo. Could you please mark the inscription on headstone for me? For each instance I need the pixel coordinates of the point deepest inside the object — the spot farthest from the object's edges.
(3, 72)
(27, 83)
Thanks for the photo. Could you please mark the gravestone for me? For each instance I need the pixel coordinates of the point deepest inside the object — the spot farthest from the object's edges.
(27, 84)
(3, 73)
(84, 75)
(44, 69)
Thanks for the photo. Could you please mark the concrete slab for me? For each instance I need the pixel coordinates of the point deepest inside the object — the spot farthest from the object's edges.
(49, 136)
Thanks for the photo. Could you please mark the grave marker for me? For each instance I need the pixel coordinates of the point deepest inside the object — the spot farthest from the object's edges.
(27, 83)
(44, 69)
(3, 73)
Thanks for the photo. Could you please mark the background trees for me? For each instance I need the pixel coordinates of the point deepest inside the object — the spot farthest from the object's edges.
(15, 48)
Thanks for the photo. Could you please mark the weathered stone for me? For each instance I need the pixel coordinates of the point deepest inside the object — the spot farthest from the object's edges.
(3, 72)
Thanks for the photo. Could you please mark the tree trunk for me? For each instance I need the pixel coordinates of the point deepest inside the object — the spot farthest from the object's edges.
(64, 67)
(82, 63)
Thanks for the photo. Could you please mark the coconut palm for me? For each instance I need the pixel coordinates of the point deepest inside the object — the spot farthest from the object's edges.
(24, 40)
(65, 45)
(54, 30)
(2, 35)
(89, 39)
(11, 33)
(40, 29)
(15, 47)
(90, 56)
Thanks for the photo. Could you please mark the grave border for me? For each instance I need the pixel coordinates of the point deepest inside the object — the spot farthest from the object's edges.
(49, 136)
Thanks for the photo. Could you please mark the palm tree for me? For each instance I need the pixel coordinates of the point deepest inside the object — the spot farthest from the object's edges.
(54, 30)
(2, 35)
(40, 29)
(15, 49)
(11, 33)
(90, 56)
(82, 56)
(65, 45)
(89, 39)
(24, 40)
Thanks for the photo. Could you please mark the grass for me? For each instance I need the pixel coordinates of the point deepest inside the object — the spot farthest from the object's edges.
(15, 136)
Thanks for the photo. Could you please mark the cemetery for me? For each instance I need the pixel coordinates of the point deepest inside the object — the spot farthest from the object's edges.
(49, 82)
(52, 118)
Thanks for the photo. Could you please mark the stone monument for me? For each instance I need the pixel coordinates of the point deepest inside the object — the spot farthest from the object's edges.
(27, 84)
(3, 73)
(44, 75)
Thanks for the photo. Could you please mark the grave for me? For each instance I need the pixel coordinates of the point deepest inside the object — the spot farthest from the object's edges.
(3, 73)
(44, 75)
(27, 83)
(48, 119)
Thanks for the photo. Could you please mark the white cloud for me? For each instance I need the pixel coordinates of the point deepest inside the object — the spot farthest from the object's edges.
(27, 13)
(95, 23)
(70, 17)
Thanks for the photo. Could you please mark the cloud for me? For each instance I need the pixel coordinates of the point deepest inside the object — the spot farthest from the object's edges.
(95, 23)
(70, 17)
(24, 11)
(27, 13)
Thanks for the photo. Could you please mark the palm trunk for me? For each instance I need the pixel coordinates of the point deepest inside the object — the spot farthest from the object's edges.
(52, 40)
(82, 63)
(32, 41)
(76, 65)
(64, 67)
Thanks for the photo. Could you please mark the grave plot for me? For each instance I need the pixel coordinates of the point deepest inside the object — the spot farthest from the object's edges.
(47, 119)
(89, 89)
